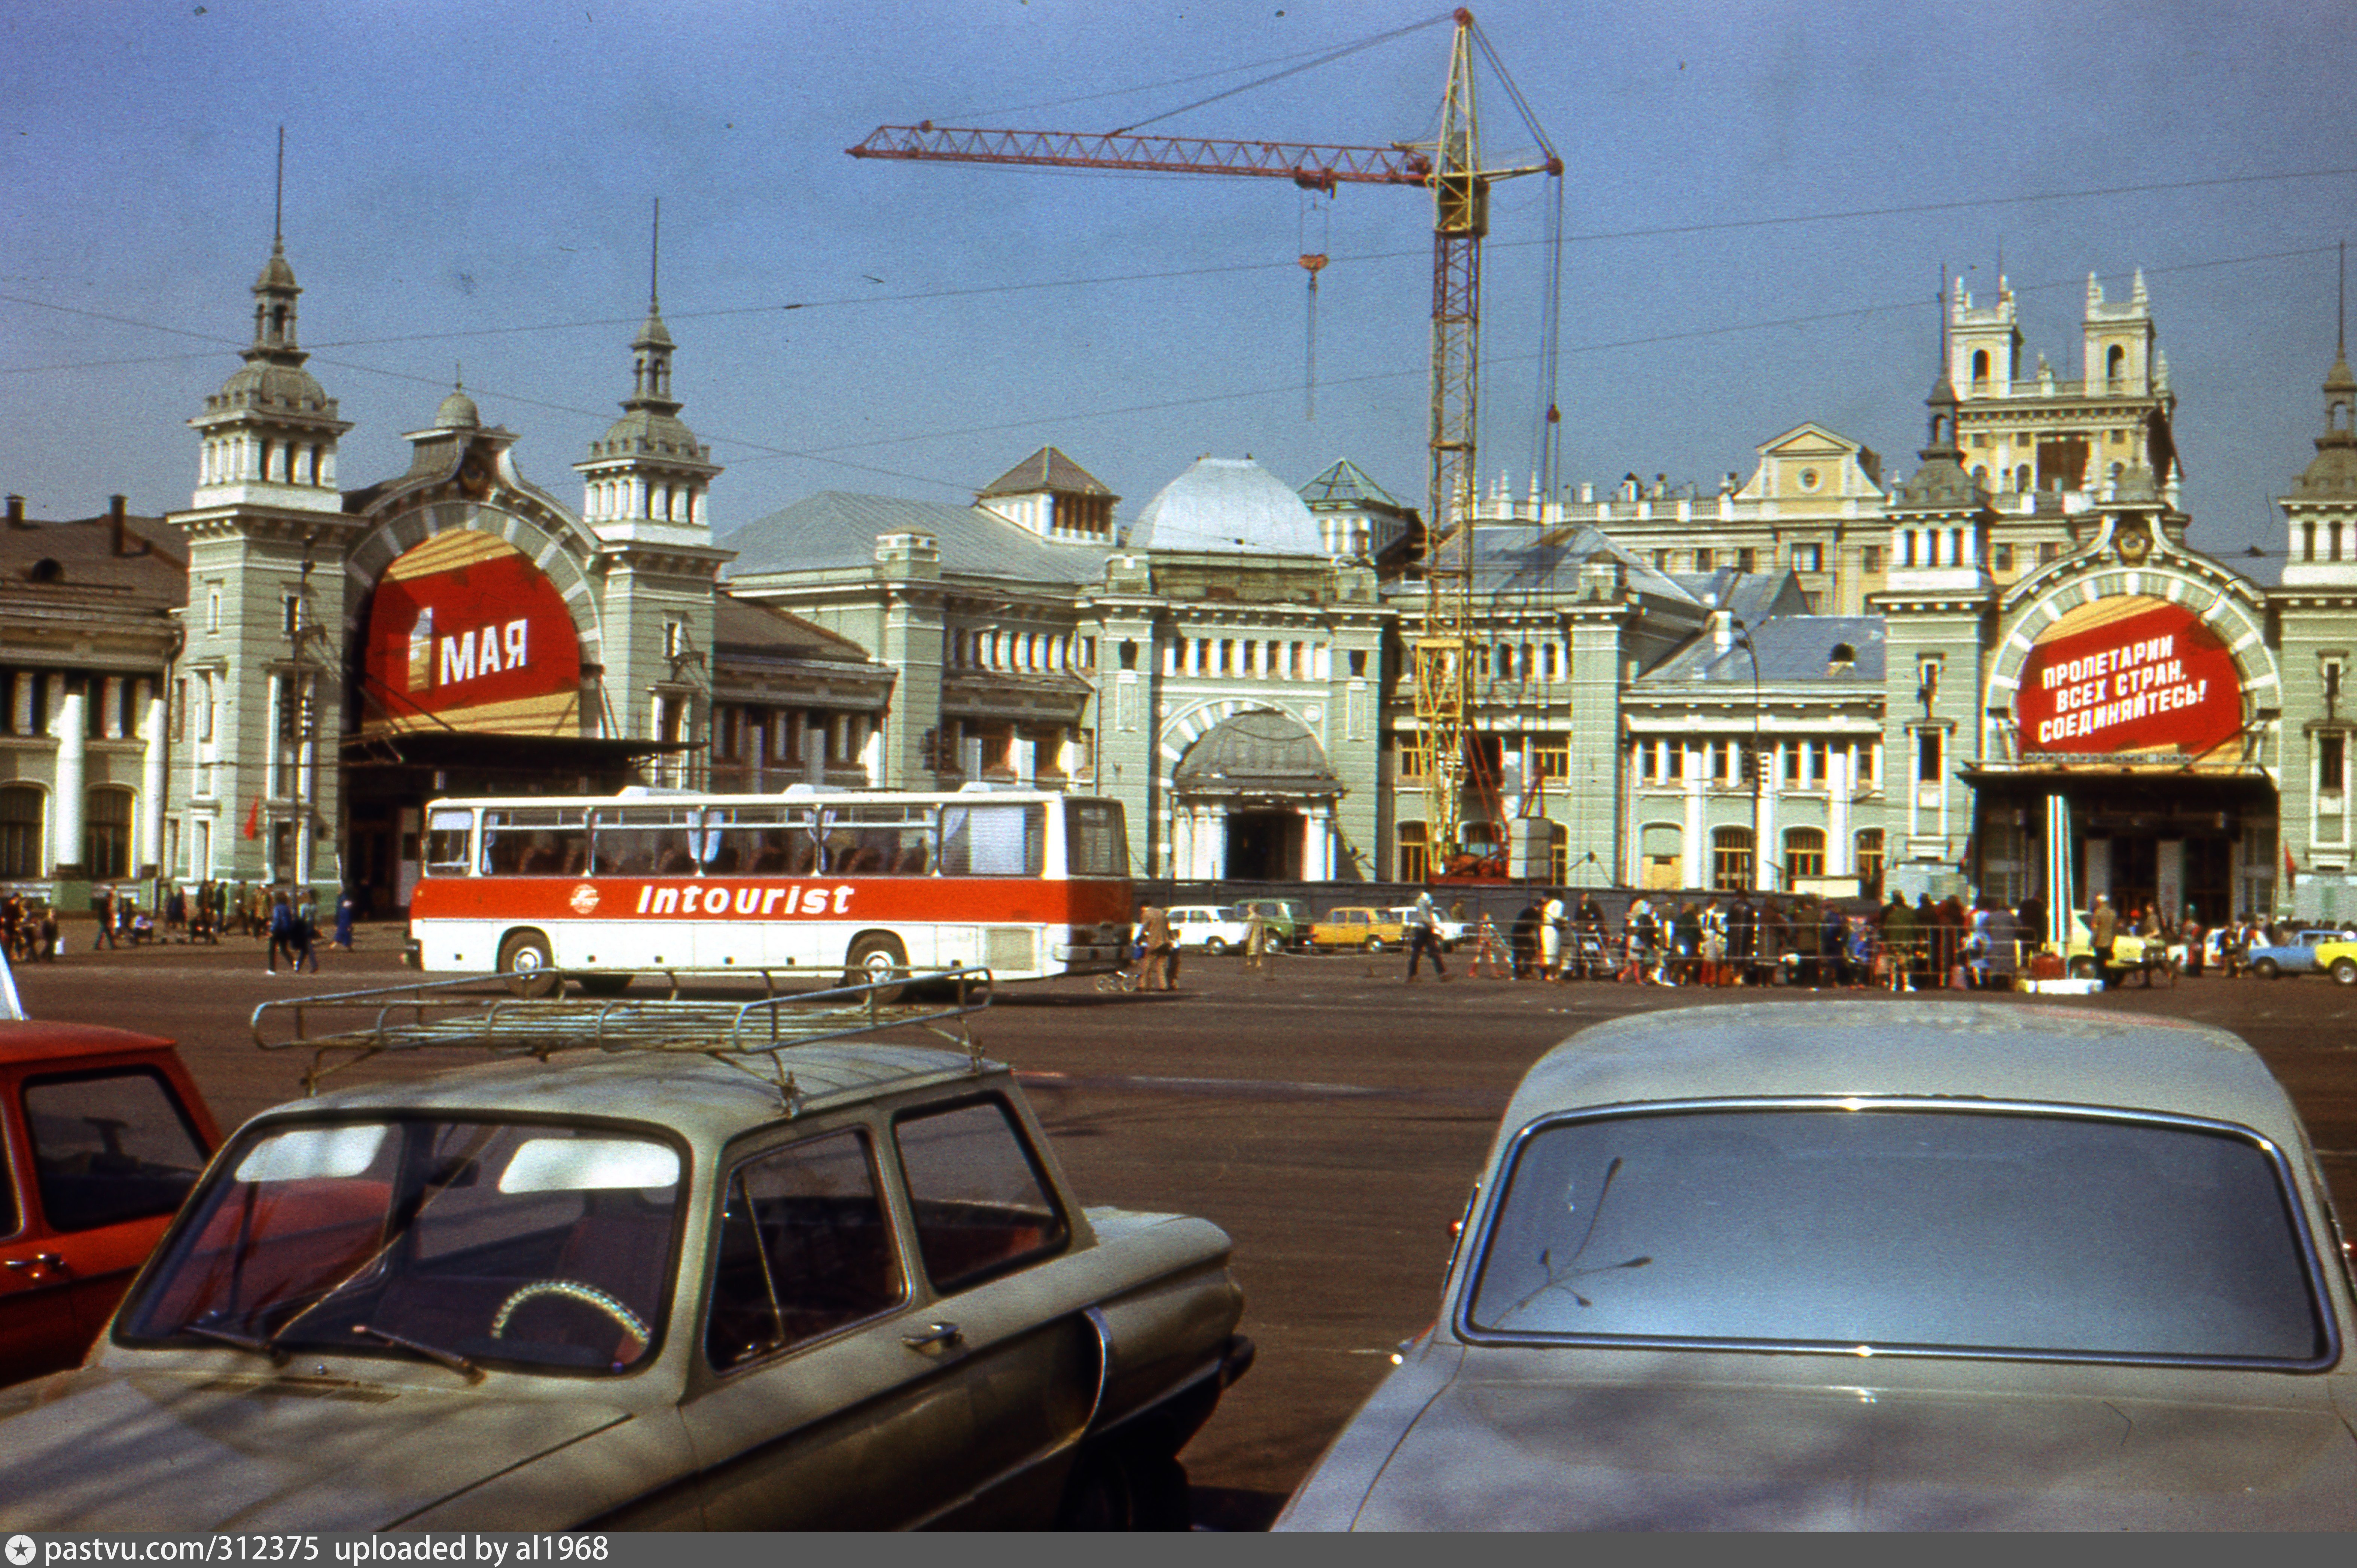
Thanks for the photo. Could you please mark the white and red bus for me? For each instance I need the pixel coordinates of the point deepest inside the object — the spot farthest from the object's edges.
(1026, 883)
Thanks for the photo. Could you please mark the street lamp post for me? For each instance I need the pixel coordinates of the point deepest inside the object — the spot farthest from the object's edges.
(1759, 758)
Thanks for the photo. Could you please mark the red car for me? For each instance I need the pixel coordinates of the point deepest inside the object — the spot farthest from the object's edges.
(102, 1135)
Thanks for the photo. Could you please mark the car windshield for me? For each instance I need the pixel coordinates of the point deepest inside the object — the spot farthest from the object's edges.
(1994, 1232)
(464, 1241)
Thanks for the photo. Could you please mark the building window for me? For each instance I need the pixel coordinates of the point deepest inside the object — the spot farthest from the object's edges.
(106, 834)
(1722, 762)
(1927, 756)
(1869, 861)
(2331, 761)
(1414, 863)
(2047, 552)
(1673, 759)
(1551, 756)
(1357, 664)
(1869, 559)
(1746, 560)
(2003, 554)
(1730, 858)
(1804, 854)
(1703, 560)
(1415, 756)
(1808, 557)
(1865, 762)
(20, 832)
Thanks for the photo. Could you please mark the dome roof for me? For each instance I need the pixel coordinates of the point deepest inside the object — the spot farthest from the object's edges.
(1257, 752)
(458, 411)
(268, 385)
(1228, 504)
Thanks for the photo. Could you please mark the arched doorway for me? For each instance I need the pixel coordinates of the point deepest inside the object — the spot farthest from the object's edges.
(1253, 801)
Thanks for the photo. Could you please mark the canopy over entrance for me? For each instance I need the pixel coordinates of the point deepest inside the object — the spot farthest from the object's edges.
(1259, 755)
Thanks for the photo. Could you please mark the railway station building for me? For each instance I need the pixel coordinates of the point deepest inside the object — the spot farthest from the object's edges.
(2008, 669)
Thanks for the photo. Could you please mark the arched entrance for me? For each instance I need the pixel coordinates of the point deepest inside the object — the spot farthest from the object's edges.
(1253, 801)
(2135, 708)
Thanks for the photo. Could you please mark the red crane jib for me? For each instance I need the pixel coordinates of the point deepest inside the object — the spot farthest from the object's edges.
(1316, 166)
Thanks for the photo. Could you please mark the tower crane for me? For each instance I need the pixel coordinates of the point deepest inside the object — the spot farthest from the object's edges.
(1451, 169)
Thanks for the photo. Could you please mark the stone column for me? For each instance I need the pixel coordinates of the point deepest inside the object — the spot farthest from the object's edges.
(71, 727)
(150, 850)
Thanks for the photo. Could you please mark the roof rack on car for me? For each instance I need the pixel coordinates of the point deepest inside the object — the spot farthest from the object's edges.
(482, 1014)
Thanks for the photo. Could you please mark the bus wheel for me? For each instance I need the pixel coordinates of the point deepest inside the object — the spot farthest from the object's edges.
(525, 959)
(874, 960)
(605, 984)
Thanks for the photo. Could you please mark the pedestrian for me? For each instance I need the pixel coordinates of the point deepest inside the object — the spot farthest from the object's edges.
(345, 909)
(1161, 952)
(1551, 925)
(49, 942)
(1423, 937)
(282, 931)
(1489, 956)
(102, 908)
(1898, 939)
(2103, 931)
(1524, 939)
(2191, 935)
(1743, 928)
(1256, 942)
(1710, 942)
(1589, 925)
(306, 934)
(176, 912)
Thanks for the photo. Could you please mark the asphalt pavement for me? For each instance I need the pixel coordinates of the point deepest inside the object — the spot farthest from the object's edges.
(1330, 1117)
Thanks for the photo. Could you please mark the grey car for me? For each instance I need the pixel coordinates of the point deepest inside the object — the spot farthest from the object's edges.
(1878, 1266)
(842, 1285)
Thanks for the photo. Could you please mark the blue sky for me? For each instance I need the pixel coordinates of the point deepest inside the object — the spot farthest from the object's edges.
(468, 185)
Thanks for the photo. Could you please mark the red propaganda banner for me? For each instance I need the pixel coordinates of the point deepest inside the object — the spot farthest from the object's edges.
(465, 633)
(2129, 674)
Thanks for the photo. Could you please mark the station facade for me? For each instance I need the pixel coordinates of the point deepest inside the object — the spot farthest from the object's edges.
(2007, 672)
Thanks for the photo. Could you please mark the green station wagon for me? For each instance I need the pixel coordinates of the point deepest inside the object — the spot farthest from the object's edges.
(703, 1283)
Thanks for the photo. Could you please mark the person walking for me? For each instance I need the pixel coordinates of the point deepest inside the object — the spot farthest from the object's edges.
(1524, 939)
(1898, 939)
(1424, 936)
(1256, 942)
(306, 936)
(344, 911)
(282, 932)
(1490, 959)
(101, 908)
(1161, 952)
(2103, 931)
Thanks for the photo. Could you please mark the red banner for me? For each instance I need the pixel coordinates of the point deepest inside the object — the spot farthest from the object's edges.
(465, 633)
(2129, 674)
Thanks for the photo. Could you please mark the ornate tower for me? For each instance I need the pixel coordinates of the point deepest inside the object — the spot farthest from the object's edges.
(1936, 593)
(256, 790)
(644, 489)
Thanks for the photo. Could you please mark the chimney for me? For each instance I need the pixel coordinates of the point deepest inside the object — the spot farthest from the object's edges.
(114, 506)
(15, 511)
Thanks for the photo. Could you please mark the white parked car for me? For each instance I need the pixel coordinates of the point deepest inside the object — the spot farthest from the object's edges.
(1451, 932)
(1213, 929)
(1863, 1266)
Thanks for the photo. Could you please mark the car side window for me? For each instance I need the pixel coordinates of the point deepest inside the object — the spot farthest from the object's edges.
(806, 1249)
(981, 1203)
(109, 1147)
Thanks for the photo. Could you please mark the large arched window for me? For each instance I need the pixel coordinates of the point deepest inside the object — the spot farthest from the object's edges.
(1804, 854)
(20, 832)
(106, 833)
(1730, 859)
(1980, 367)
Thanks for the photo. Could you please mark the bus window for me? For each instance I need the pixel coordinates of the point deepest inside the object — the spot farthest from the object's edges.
(535, 840)
(644, 841)
(993, 841)
(1096, 841)
(446, 837)
(756, 841)
(878, 841)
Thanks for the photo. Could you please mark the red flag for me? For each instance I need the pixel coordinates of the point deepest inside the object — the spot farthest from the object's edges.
(2291, 868)
(254, 820)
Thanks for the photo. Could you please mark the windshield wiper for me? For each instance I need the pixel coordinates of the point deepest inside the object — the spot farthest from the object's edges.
(449, 1359)
(242, 1341)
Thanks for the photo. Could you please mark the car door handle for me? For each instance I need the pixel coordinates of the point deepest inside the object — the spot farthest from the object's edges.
(934, 1339)
(50, 1261)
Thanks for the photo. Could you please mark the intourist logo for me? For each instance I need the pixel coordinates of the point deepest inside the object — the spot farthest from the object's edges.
(752, 902)
(2129, 674)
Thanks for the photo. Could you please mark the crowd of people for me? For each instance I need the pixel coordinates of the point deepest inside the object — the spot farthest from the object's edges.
(1728, 939)
(185, 912)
